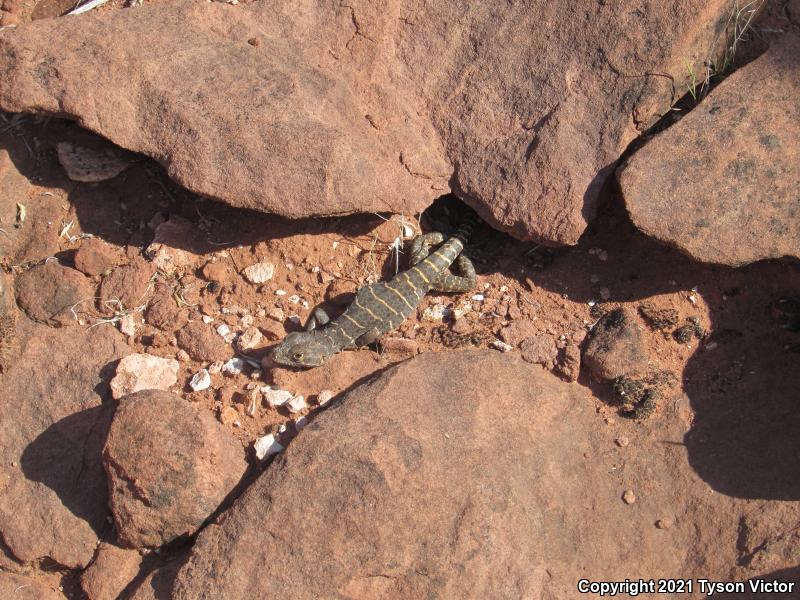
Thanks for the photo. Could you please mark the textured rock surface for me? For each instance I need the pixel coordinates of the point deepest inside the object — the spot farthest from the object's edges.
(94, 256)
(47, 293)
(52, 485)
(138, 372)
(722, 184)
(412, 447)
(202, 343)
(170, 466)
(111, 571)
(523, 112)
(20, 587)
(615, 346)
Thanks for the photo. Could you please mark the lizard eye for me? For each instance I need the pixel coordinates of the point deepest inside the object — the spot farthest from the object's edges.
(297, 356)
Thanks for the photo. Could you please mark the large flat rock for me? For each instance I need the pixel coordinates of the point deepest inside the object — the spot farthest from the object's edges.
(330, 108)
(471, 474)
(53, 424)
(723, 183)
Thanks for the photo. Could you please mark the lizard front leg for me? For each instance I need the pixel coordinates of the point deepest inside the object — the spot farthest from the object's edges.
(318, 318)
(421, 246)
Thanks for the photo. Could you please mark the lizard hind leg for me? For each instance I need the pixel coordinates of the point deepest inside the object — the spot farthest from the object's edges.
(421, 246)
(463, 282)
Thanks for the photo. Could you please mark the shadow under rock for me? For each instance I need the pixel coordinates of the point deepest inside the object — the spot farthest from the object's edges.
(116, 209)
(67, 458)
(745, 392)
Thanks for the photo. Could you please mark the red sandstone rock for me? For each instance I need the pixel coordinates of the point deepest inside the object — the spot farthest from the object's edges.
(169, 465)
(722, 183)
(53, 294)
(111, 571)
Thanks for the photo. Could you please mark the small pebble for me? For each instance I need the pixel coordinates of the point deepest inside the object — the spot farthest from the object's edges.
(297, 404)
(280, 292)
(276, 398)
(223, 330)
(207, 319)
(502, 346)
(246, 321)
(622, 442)
(437, 312)
(324, 397)
(228, 415)
(266, 446)
(234, 366)
(628, 497)
(127, 325)
(215, 367)
(259, 272)
(664, 523)
(182, 355)
(478, 297)
(294, 299)
(200, 381)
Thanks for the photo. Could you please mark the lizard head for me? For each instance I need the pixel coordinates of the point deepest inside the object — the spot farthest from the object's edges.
(302, 349)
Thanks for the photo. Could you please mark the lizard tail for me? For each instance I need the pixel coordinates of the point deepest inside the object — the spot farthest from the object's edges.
(469, 222)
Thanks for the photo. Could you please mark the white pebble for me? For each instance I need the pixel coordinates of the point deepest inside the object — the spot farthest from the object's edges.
(207, 319)
(276, 398)
(478, 297)
(324, 397)
(127, 325)
(692, 298)
(259, 272)
(142, 372)
(294, 299)
(267, 446)
(437, 312)
(215, 367)
(234, 366)
(280, 292)
(223, 330)
(502, 346)
(408, 230)
(200, 381)
(297, 404)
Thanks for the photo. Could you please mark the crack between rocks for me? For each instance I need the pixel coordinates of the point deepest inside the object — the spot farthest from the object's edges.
(412, 173)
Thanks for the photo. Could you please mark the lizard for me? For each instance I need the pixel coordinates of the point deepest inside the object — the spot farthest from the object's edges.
(382, 306)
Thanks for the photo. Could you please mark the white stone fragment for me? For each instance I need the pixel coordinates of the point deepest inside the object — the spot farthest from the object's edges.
(223, 330)
(297, 404)
(200, 381)
(215, 367)
(142, 372)
(127, 325)
(234, 366)
(437, 312)
(207, 320)
(267, 446)
(259, 272)
(276, 398)
(324, 397)
(294, 299)
(408, 231)
(462, 309)
(478, 298)
(280, 292)
(250, 339)
(502, 346)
